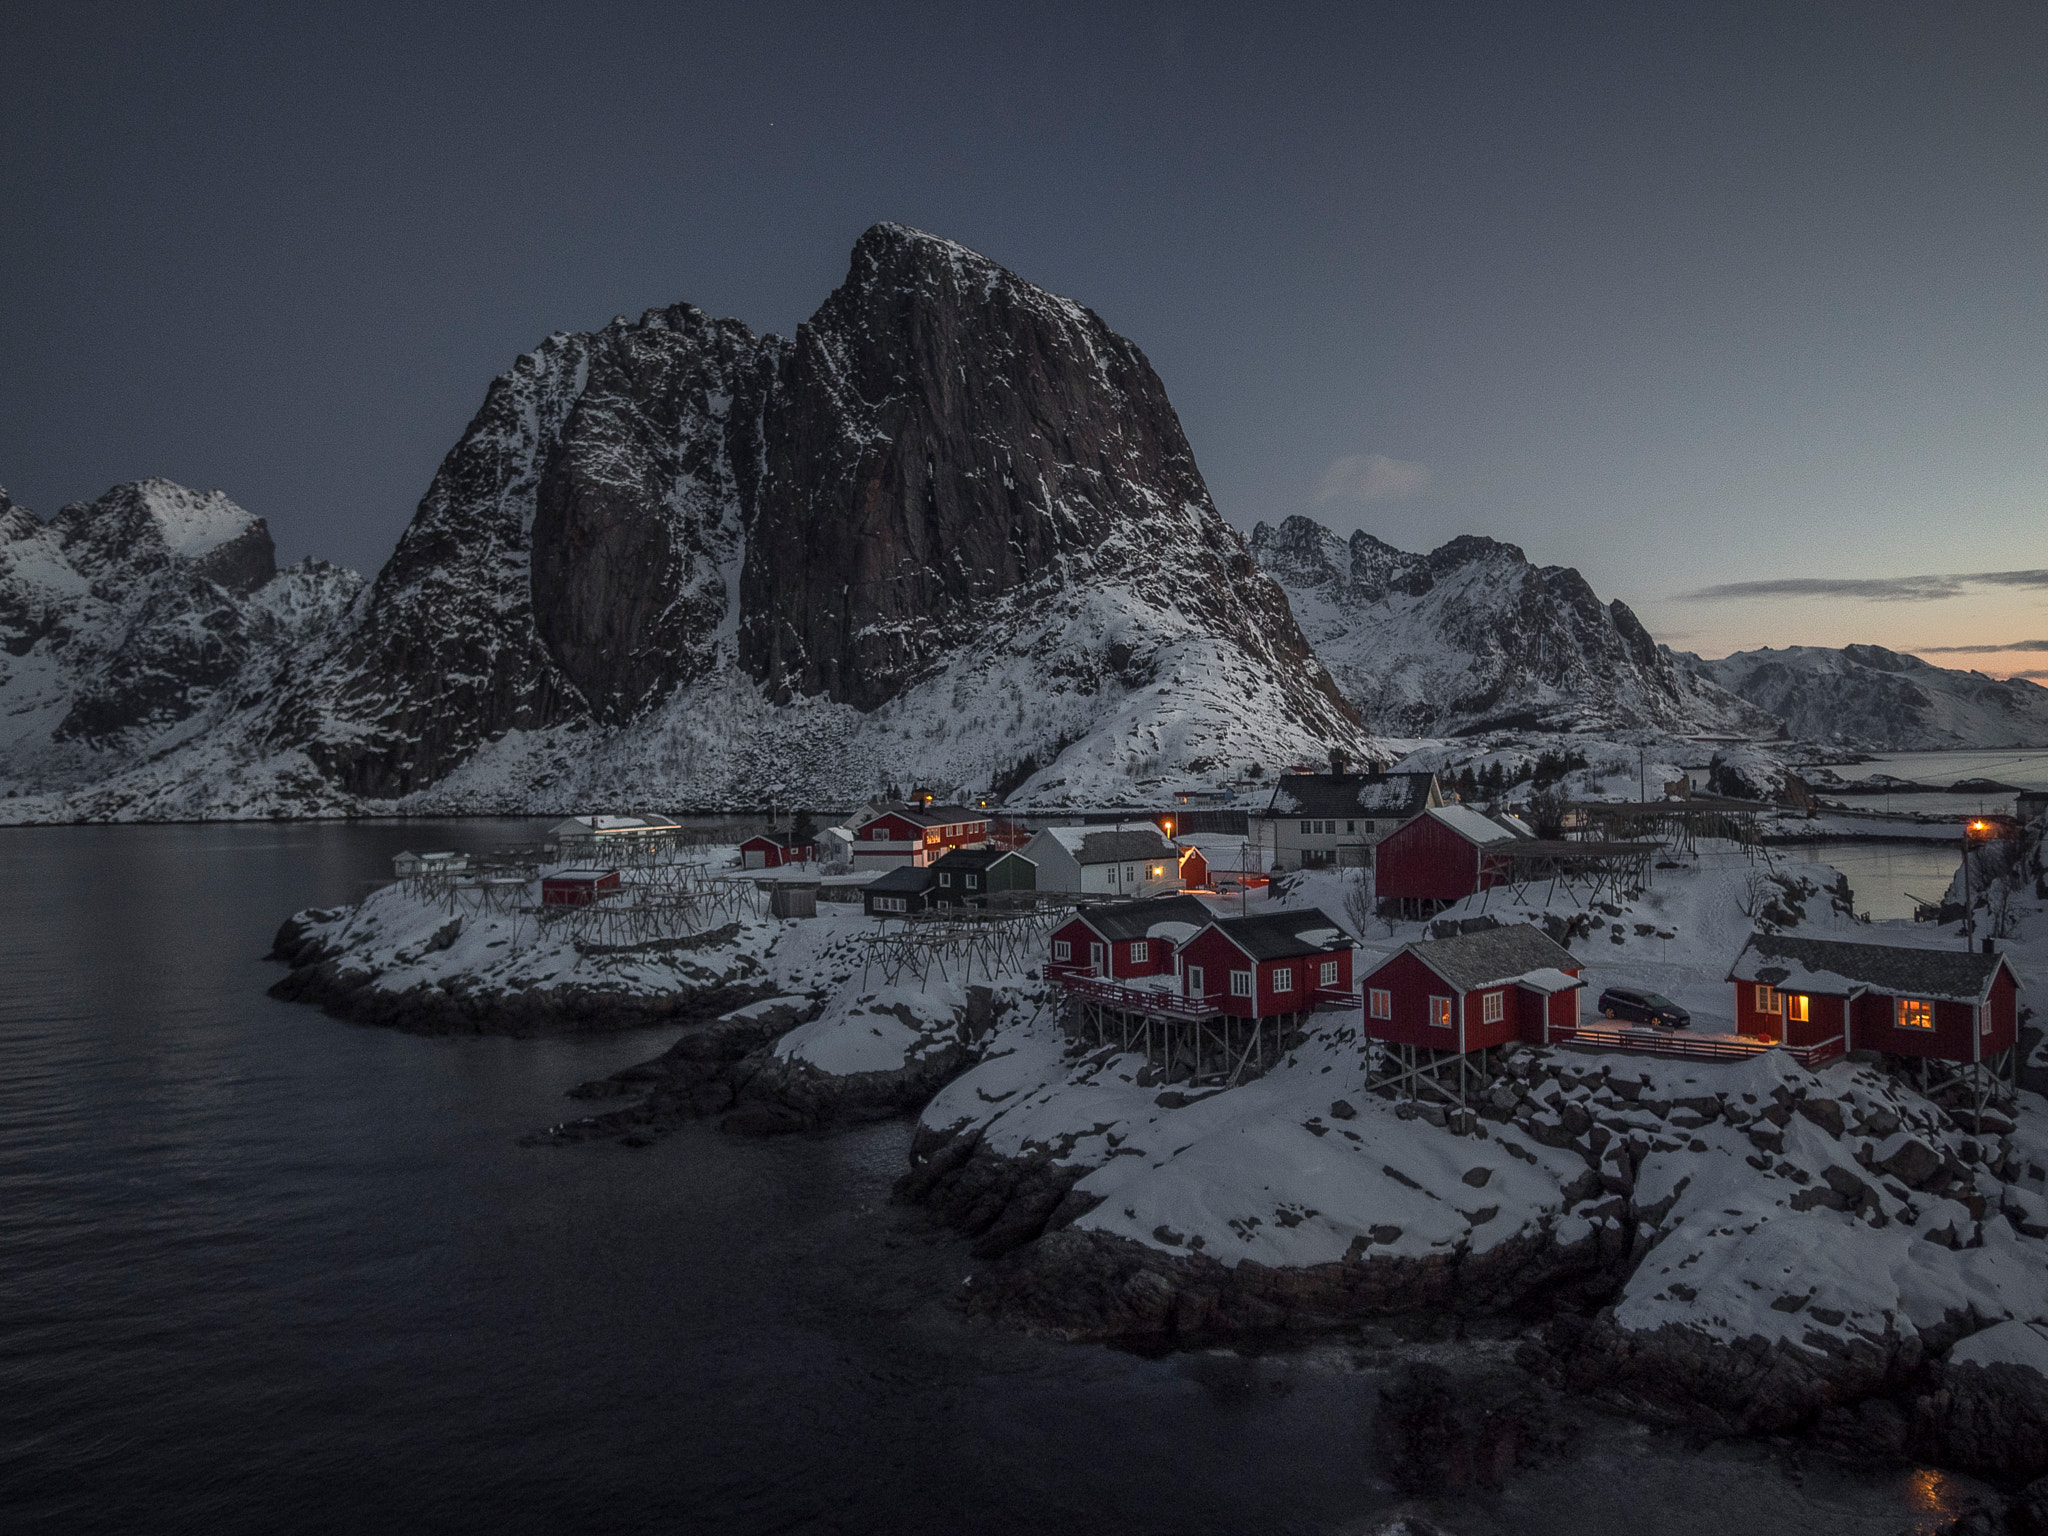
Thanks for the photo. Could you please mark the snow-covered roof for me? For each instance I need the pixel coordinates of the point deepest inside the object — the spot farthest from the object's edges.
(1548, 979)
(584, 876)
(1136, 919)
(1834, 967)
(1470, 825)
(1277, 935)
(1491, 958)
(1111, 845)
(585, 826)
(906, 879)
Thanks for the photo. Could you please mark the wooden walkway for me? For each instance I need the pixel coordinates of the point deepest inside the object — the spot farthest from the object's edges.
(1694, 1046)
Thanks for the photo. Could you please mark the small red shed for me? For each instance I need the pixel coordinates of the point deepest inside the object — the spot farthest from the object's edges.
(1126, 939)
(1474, 990)
(1944, 1004)
(578, 887)
(1194, 868)
(772, 850)
(1274, 963)
(1437, 858)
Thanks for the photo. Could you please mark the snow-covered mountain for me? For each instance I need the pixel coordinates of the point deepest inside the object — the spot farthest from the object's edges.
(1866, 696)
(1472, 637)
(132, 623)
(949, 534)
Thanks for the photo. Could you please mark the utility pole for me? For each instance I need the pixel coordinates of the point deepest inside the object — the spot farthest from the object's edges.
(1642, 773)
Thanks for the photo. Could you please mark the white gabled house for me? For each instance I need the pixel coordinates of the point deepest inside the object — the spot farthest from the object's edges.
(1315, 820)
(1125, 860)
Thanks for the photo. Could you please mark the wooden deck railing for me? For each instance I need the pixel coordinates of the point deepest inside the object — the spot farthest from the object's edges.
(1117, 994)
(1697, 1047)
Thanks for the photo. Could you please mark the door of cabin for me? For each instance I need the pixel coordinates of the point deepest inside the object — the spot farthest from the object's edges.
(1195, 986)
(1097, 956)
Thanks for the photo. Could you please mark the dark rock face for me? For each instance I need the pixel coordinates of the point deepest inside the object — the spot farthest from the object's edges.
(942, 447)
(1472, 637)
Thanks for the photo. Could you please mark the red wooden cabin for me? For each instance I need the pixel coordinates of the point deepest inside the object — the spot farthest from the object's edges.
(1437, 858)
(1274, 963)
(1474, 991)
(1944, 1004)
(772, 850)
(1127, 939)
(906, 835)
(578, 887)
(1194, 868)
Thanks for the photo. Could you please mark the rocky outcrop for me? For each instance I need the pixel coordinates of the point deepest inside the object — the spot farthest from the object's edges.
(727, 1070)
(1472, 637)
(130, 623)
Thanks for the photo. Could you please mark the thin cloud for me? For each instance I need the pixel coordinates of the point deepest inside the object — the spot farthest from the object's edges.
(2035, 676)
(1984, 650)
(1371, 477)
(1882, 589)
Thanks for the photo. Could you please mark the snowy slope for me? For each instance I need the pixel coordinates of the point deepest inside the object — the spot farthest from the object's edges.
(135, 622)
(1867, 696)
(1472, 637)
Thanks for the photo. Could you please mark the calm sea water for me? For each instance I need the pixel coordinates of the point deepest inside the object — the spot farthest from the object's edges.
(2027, 769)
(264, 1271)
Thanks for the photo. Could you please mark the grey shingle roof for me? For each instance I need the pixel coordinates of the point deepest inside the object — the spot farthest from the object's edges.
(1276, 935)
(1114, 847)
(1398, 795)
(1135, 919)
(1499, 954)
(1835, 966)
(904, 880)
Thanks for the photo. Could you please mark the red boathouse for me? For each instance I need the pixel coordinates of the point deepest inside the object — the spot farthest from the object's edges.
(1938, 1004)
(1438, 858)
(1273, 964)
(1126, 939)
(772, 850)
(1474, 991)
(578, 887)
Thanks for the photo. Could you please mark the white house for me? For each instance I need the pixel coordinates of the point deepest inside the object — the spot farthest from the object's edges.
(1319, 819)
(1127, 860)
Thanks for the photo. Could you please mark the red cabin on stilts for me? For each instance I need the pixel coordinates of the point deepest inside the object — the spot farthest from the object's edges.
(578, 887)
(1474, 991)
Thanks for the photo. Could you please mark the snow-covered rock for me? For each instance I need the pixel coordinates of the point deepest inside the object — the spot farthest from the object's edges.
(1472, 637)
(1866, 696)
(135, 623)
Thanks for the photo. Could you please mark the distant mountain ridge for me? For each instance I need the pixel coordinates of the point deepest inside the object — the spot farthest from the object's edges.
(1472, 637)
(949, 534)
(132, 623)
(1869, 697)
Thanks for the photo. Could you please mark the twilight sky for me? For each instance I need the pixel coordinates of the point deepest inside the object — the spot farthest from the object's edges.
(1742, 310)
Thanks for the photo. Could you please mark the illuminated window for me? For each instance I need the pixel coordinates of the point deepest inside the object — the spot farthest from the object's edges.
(1795, 1007)
(1491, 1007)
(1440, 1012)
(1914, 1013)
(1141, 951)
(1240, 983)
(1768, 1000)
(1062, 950)
(1382, 1003)
(1158, 871)
(1329, 973)
(1283, 978)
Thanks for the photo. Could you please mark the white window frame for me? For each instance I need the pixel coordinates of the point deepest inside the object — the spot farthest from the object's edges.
(1329, 973)
(1798, 1007)
(1062, 949)
(972, 882)
(1308, 828)
(1283, 978)
(1900, 1005)
(1769, 999)
(1240, 983)
(1141, 951)
(946, 878)
(1493, 1007)
(1381, 1000)
(1440, 1012)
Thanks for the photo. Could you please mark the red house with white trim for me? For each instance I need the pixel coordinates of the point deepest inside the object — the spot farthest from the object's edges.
(1474, 991)
(1943, 1004)
(1127, 939)
(1274, 963)
(578, 887)
(1438, 858)
(896, 836)
(772, 850)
